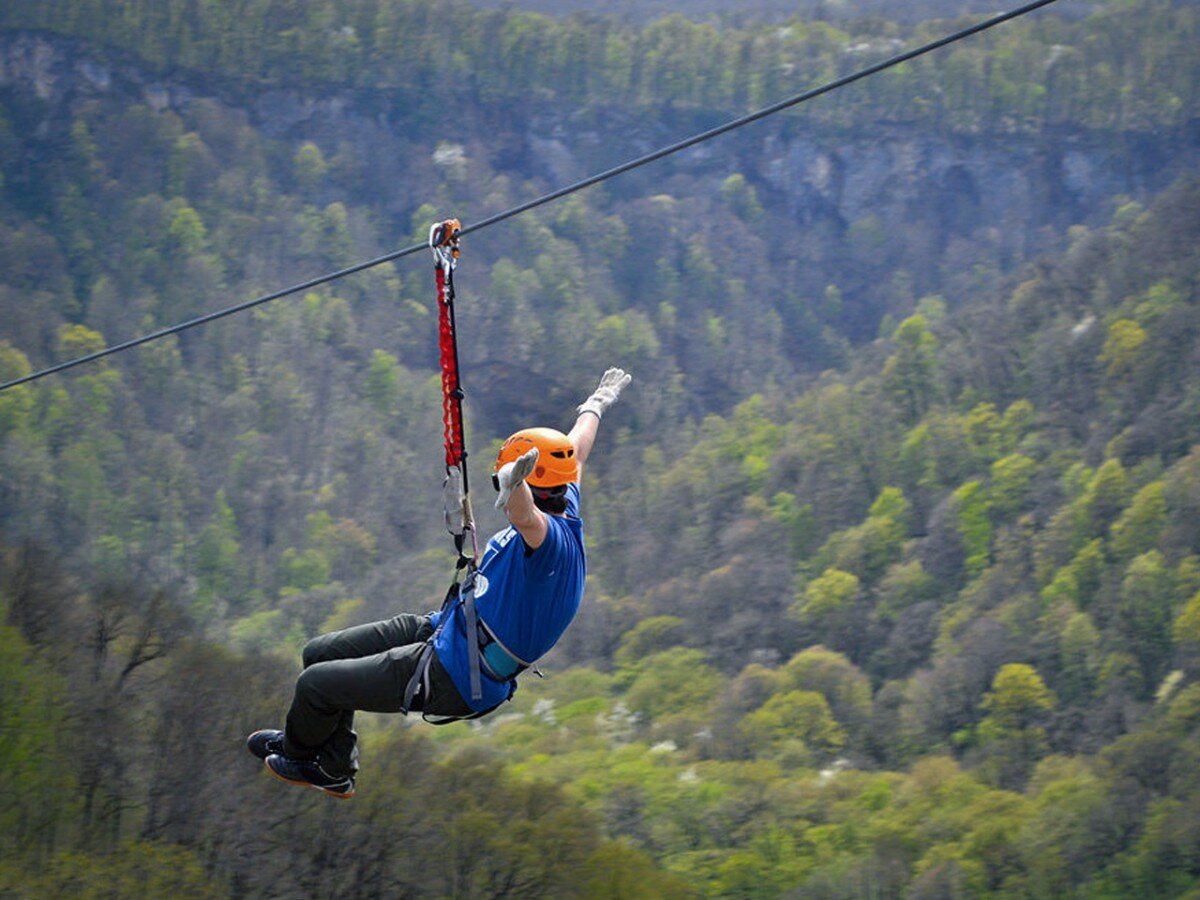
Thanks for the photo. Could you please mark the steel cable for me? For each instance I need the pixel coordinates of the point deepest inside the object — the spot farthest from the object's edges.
(554, 195)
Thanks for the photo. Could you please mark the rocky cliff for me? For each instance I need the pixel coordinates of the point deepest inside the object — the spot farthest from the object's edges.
(946, 184)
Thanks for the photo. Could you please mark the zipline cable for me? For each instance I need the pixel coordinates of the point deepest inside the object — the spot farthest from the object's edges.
(554, 195)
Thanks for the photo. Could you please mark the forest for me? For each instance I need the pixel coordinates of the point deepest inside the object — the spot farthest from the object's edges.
(893, 541)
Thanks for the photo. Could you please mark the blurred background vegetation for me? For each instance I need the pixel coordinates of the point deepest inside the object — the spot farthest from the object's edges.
(894, 542)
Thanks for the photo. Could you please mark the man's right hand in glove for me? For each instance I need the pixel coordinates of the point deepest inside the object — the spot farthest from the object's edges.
(513, 473)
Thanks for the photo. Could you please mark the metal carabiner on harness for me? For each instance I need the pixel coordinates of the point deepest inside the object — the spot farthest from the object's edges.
(443, 241)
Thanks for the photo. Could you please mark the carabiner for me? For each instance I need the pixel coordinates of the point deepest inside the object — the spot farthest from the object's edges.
(443, 241)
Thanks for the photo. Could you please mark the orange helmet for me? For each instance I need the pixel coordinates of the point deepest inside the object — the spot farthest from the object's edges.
(556, 463)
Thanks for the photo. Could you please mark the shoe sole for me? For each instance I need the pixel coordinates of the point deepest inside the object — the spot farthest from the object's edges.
(341, 795)
(250, 737)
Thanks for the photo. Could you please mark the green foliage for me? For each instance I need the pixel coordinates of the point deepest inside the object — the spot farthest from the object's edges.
(15, 403)
(34, 768)
(1121, 348)
(1140, 526)
(972, 508)
(1011, 478)
(617, 872)
(990, 515)
(672, 682)
(382, 384)
(797, 725)
(310, 165)
(1079, 656)
(868, 549)
(1105, 497)
(649, 636)
(1011, 735)
(187, 229)
(910, 376)
(843, 686)
(302, 570)
(830, 593)
(1145, 613)
(262, 632)
(138, 869)
(742, 197)
(218, 562)
(1018, 696)
(78, 340)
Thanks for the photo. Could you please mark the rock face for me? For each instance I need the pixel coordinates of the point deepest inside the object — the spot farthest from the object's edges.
(1017, 183)
(893, 176)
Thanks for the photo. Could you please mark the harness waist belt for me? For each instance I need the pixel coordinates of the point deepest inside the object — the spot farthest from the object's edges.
(498, 661)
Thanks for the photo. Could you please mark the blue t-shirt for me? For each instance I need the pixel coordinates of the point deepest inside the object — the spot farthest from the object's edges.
(527, 597)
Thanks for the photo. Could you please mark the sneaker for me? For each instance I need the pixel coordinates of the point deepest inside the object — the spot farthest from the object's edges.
(308, 772)
(264, 742)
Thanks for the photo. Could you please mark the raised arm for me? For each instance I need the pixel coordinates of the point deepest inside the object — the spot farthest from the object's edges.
(591, 410)
(583, 435)
(517, 500)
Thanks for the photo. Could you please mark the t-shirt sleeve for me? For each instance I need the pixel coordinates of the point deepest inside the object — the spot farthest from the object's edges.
(573, 499)
(551, 549)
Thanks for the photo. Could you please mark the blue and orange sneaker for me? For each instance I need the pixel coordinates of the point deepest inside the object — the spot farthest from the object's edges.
(309, 773)
(264, 742)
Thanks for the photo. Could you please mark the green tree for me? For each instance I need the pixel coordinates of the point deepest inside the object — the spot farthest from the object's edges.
(309, 165)
(304, 570)
(1122, 348)
(910, 376)
(1139, 527)
(137, 869)
(617, 871)
(382, 382)
(651, 635)
(1011, 477)
(832, 592)
(843, 685)
(674, 681)
(972, 508)
(1104, 499)
(1145, 613)
(78, 340)
(741, 197)
(1079, 658)
(797, 725)
(33, 768)
(187, 229)
(1186, 632)
(1010, 731)
(218, 556)
(15, 403)
(1071, 834)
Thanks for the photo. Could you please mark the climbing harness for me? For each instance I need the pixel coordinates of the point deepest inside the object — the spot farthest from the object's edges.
(486, 654)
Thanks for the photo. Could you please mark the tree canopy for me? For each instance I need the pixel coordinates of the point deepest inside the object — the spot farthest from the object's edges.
(894, 554)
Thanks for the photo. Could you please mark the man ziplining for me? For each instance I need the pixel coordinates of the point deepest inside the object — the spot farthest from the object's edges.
(522, 597)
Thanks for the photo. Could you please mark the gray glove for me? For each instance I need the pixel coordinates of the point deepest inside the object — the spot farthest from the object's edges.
(513, 473)
(611, 384)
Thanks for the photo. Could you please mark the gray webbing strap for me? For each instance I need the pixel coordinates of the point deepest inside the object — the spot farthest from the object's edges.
(418, 676)
(467, 593)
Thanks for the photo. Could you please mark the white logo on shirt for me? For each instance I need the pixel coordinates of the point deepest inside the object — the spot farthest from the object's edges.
(481, 584)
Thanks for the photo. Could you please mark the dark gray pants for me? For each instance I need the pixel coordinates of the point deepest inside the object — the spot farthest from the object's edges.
(366, 667)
